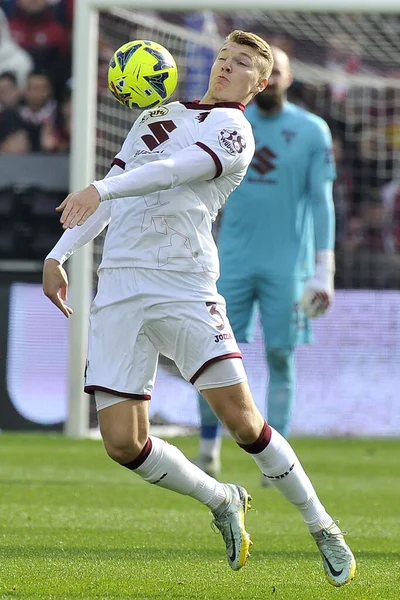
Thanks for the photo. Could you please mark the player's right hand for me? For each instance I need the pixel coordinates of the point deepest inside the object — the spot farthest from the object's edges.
(55, 285)
(319, 289)
(317, 298)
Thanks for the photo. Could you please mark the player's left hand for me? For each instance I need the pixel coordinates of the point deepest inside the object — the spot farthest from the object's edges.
(319, 289)
(78, 206)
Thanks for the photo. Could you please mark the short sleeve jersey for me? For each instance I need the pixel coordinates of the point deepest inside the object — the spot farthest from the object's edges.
(171, 229)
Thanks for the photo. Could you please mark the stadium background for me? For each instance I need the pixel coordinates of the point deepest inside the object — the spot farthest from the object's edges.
(348, 379)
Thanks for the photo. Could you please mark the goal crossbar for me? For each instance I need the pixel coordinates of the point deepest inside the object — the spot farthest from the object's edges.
(229, 5)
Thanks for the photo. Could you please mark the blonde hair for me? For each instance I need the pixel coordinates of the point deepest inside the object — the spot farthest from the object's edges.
(266, 59)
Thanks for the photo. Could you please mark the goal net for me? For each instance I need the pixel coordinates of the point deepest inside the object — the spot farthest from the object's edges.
(346, 69)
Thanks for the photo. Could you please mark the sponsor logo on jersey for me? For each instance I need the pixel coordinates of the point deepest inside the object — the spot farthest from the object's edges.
(161, 111)
(220, 337)
(231, 141)
(263, 160)
(139, 152)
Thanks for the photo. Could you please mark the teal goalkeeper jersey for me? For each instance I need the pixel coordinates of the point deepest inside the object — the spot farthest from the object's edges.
(268, 225)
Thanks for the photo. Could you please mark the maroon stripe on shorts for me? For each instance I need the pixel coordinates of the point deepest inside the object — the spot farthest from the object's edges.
(215, 158)
(90, 389)
(213, 360)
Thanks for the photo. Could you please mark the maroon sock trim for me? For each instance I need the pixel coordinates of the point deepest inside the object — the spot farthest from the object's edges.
(139, 460)
(261, 443)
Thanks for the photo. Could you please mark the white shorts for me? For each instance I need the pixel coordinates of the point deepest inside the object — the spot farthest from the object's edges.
(139, 313)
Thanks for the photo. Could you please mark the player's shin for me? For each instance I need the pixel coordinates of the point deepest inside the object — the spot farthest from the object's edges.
(209, 454)
(164, 465)
(281, 388)
(280, 465)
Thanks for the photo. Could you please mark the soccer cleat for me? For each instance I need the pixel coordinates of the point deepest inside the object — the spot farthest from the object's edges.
(209, 464)
(339, 562)
(231, 524)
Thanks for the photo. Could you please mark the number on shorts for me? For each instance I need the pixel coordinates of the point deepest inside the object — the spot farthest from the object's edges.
(213, 310)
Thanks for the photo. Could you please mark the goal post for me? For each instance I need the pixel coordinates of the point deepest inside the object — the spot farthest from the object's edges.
(83, 148)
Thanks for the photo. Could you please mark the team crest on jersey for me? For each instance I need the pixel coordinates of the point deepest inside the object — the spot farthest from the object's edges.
(161, 111)
(288, 135)
(231, 141)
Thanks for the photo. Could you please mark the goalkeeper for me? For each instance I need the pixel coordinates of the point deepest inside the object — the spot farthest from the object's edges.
(276, 245)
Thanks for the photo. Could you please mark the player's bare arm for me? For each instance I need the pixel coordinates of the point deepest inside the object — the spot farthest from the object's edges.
(55, 285)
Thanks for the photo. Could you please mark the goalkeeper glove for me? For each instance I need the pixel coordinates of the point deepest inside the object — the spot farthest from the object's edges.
(319, 289)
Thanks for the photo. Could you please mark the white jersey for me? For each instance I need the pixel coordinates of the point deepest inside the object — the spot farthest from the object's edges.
(171, 229)
(181, 161)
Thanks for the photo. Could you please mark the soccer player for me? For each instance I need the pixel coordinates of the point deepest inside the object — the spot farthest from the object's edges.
(276, 243)
(157, 294)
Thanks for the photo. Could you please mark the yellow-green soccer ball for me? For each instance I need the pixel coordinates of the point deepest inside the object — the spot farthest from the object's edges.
(142, 74)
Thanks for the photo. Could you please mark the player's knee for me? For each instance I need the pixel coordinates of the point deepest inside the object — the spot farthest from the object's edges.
(244, 424)
(237, 411)
(245, 433)
(123, 449)
(280, 360)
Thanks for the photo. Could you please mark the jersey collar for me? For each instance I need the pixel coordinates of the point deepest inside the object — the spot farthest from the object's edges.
(197, 105)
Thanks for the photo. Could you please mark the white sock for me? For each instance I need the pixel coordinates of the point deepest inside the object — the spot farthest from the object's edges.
(279, 462)
(210, 447)
(167, 467)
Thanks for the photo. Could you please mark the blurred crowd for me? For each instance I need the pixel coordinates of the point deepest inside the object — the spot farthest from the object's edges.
(35, 75)
(35, 109)
(365, 126)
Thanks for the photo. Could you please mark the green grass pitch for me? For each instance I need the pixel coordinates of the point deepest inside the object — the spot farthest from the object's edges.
(74, 525)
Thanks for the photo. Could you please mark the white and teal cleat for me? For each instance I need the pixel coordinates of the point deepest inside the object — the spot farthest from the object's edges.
(338, 560)
(231, 524)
